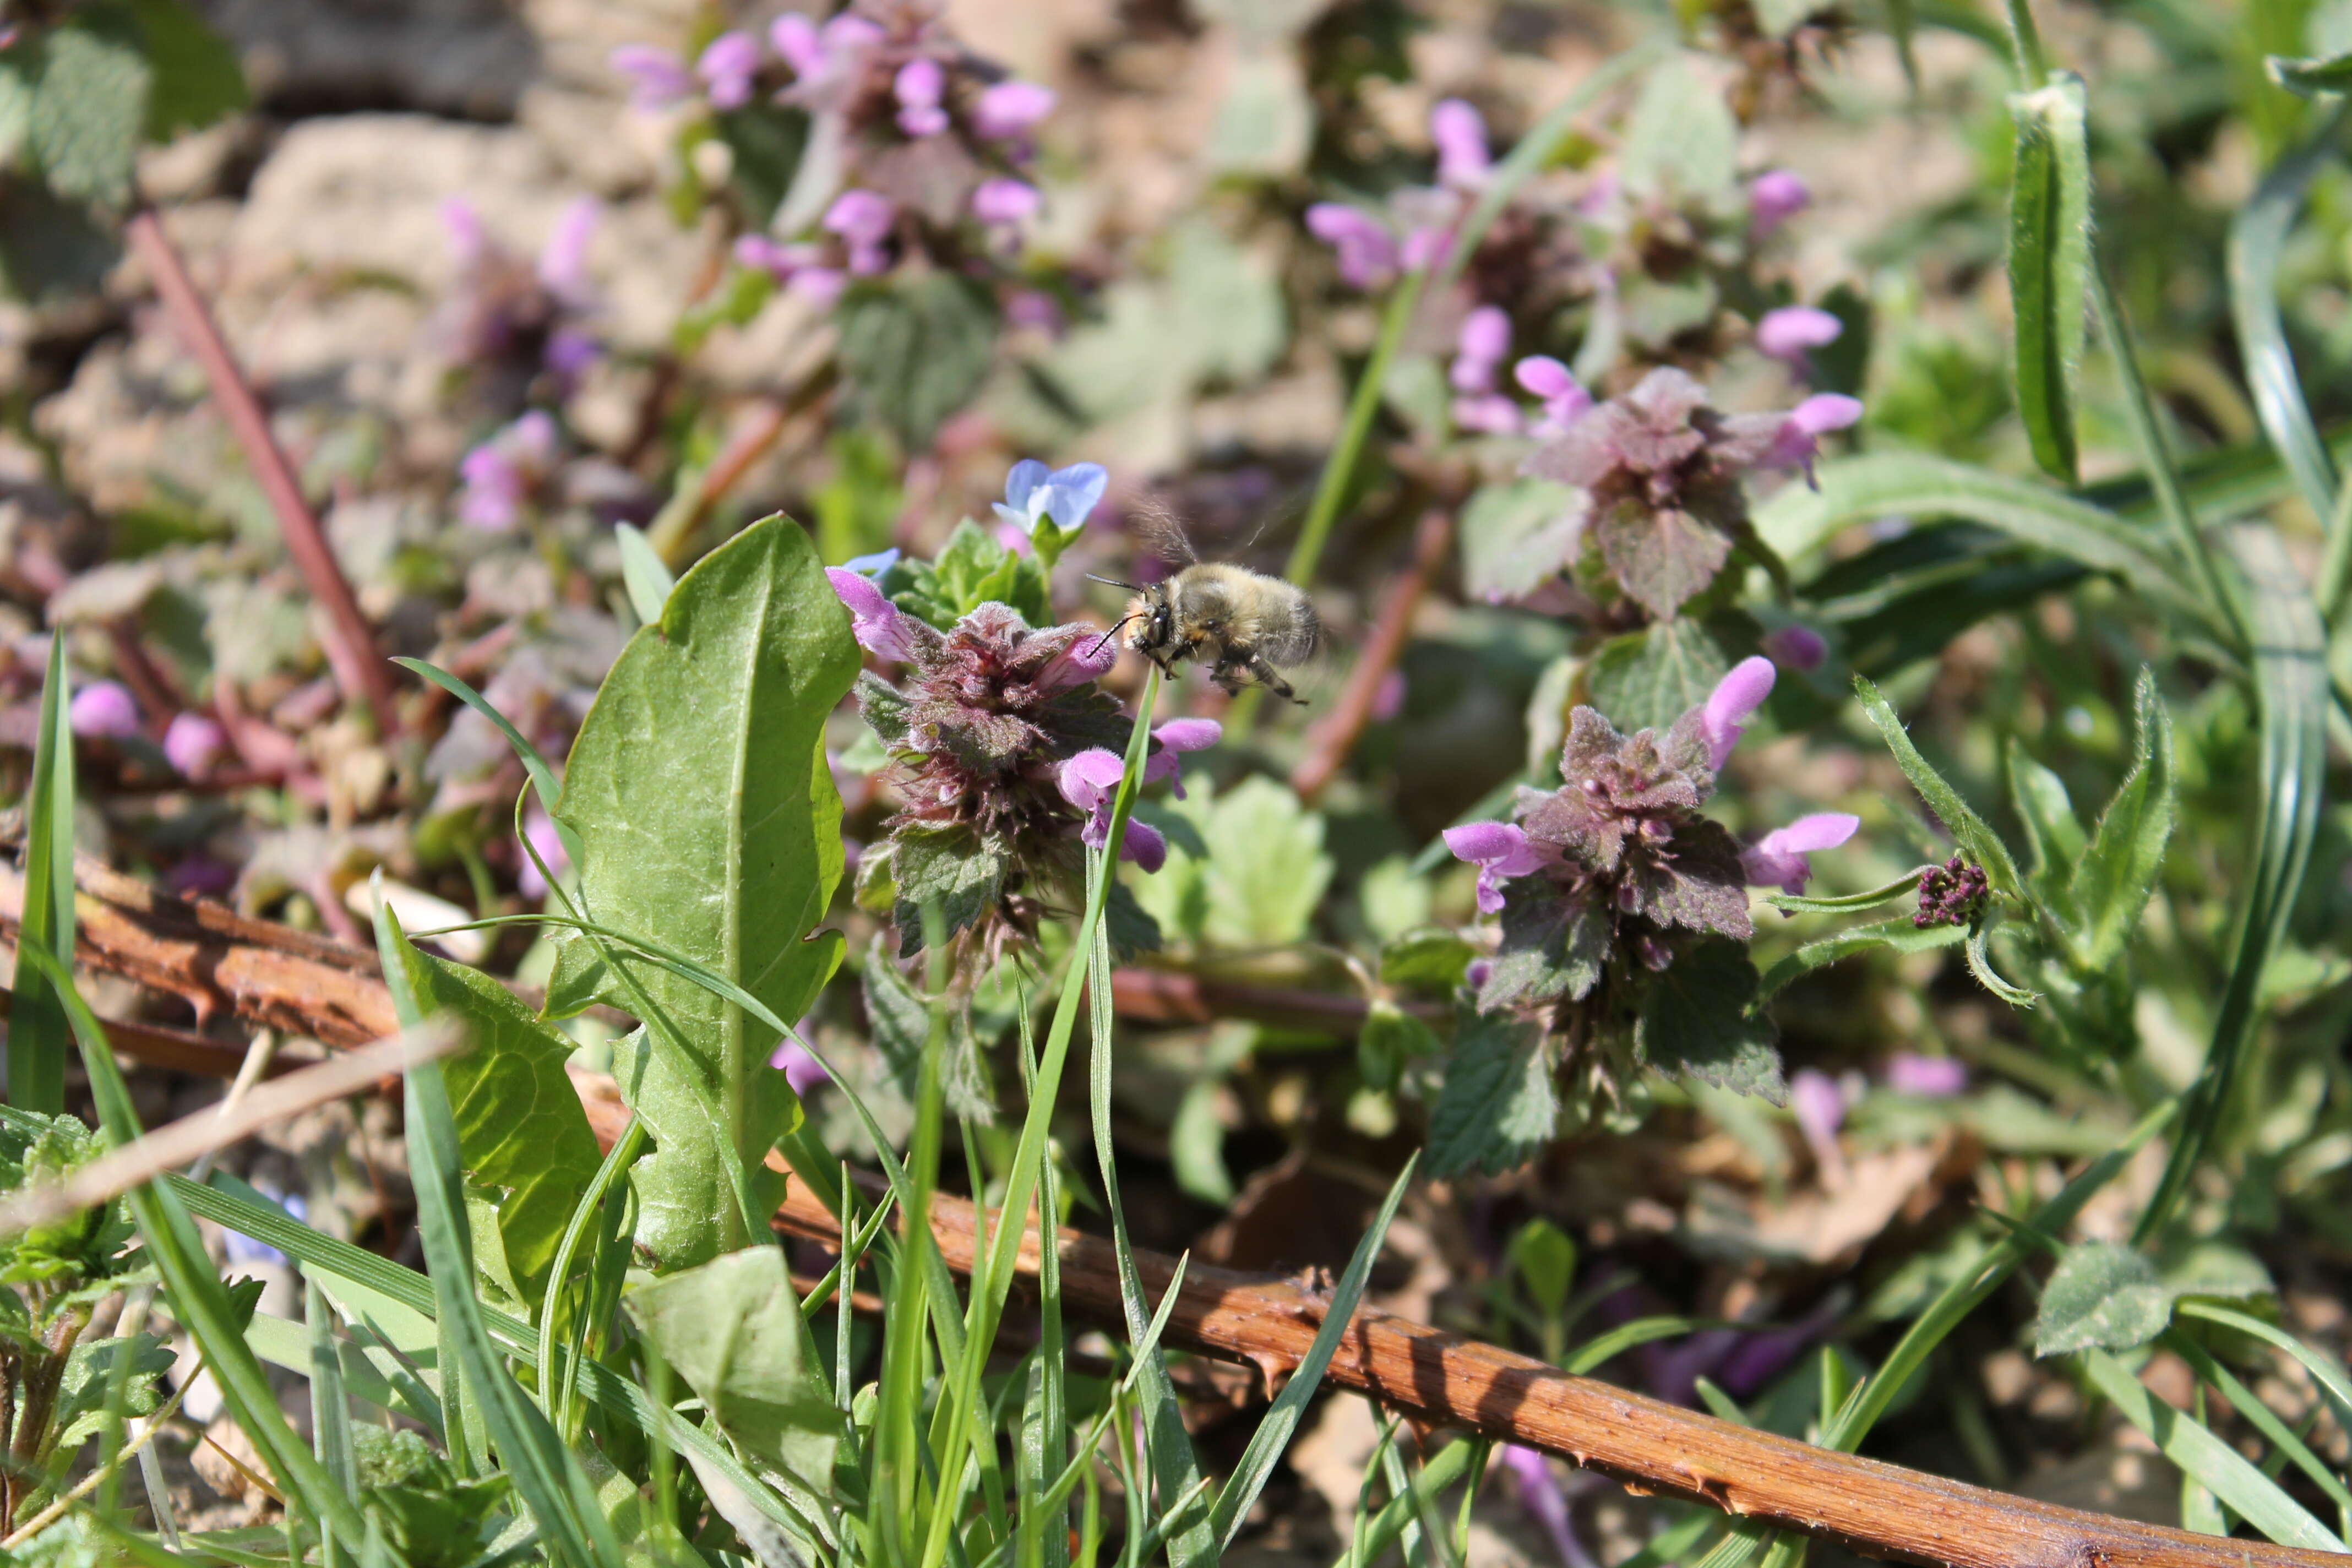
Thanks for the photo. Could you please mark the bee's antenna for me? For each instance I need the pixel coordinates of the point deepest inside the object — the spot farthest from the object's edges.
(1115, 630)
(1115, 582)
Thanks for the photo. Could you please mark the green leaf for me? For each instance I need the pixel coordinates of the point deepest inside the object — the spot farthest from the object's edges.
(1649, 678)
(89, 1370)
(709, 826)
(90, 104)
(1517, 535)
(2330, 73)
(914, 350)
(520, 1131)
(1500, 1104)
(1431, 960)
(900, 1019)
(956, 866)
(1681, 139)
(198, 78)
(1265, 873)
(36, 1020)
(1697, 1020)
(1546, 1259)
(2116, 873)
(2258, 237)
(646, 575)
(974, 568)
(1848, 903)
(2103, 1295)
(2049, 254)
(766, 141)
(49, 248)
(1897, 935)
(2053, 834)
(1390, 1039)
(732, 1329)
(1981, 843)
(1554, 947)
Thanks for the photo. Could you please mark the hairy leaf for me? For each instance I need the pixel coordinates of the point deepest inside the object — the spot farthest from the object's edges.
(2053, 834)
(198, 78)
(1430, 960)
(899, 1017)
(2117, 871)
(2103, 1295)
(89, 103)
(914, 350)
(1649, 678)
(2049, 252)
(1981, 843)
(1661, 556)
(1681, 139)
(1897, 935)
(1554, 946)
(709, 824)
(520, 1131)
(1500, 1105)
(956, 864)
(1696, 1020)
(1517, 535)
(88, 1376)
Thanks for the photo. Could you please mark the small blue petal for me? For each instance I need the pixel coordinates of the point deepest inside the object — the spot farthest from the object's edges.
(873, 566)
(1020, 519)
(1072, 493)
(1021, 486)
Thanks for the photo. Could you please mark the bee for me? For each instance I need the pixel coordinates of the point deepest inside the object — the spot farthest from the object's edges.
(1237, 622)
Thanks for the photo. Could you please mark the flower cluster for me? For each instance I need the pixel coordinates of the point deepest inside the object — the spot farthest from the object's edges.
(513, 318)
(1951, 894)
(1370, 246)
(1661, 471)
(509, 474)
(1613, 878)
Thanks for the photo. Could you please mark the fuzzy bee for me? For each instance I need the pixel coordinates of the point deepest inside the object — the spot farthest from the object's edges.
(1237, 622)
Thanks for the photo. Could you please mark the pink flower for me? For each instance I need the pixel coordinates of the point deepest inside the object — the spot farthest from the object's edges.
(1461, 137)
(103, 709)
(880, 627)
(538, 830)
(1540, 1498)
(1564, 397)
(468, 245)
(193, 743)
(502, 473)
(728, 65)
(1790, 333)
(563, 262)
(1820, 1106)
(1035, 308)
(1798, 443)
(1483, 343)
(1090, 781)
(1797, 648)
(1500, 850)
(800, 1069)
(1005, 202)
(658, 78)
(1728, 707)
(796, 42)
(1175, 737)
(863, 220)
(1368, 256)
(1009, 108)
(1090, 658)
(1931, 1077)
(1487, 414)
(1778, 859)
(1777, 196)
(918, 87)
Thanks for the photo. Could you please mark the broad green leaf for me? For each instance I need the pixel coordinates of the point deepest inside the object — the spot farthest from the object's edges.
(1390, 1038)
(732, 1329)
(1266, 120)
(1430, 960)
(1981, 844)
(1517, 535)
(520, 1131)
(1649, 678)
(2053, 834)
(2103, 1295)
(899, 1017)
(89, 103)
(1696, 1020)
(198, 78)
(1681, 139)
(1500, 1105)
(914, 350)
(2117, 871)
(954, 867)
(90, 1369)
(1265, 873)
(2049, 253)
(709, 826)
(1545, 1258)
(1897, 935)
(49, 248)
(1228, 305)
(765, 142)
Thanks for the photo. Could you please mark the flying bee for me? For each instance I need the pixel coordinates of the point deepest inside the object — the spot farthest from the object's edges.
(1237, 622)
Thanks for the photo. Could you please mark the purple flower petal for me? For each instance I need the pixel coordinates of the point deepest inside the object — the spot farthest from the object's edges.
(1797, 648)
(1820, 1106)
(1089, 779)
(563, 262)
(1367, 254)
(1008, 109)
(468, 243)
(1932, 1077)
(193, 743)
(1487, 414)
(1460, 135)
(800, 1069)
(103, 708)
(1544, 377)
(1797, 442)
(1088, 658)
(658, 78)
(1736, 696)
(860, 217)
(879, 627)
(1790, 333)
(540, 830)
(1540, 1498)
(729, 63)
(1775, 198)
(1486, 336)
(1144, 845)
(1189, 734)
(794, 38)
(819, 285)
(1003, 202)
(918, 83)
(1778, 859)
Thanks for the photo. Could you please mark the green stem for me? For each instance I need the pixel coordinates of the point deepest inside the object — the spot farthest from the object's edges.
(2025, 45)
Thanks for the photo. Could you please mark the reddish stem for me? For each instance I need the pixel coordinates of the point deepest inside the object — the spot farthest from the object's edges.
(1335, 736)
(359, 670)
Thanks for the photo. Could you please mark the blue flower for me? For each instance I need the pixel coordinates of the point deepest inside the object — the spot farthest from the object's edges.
(1066, 495)
(873, 565)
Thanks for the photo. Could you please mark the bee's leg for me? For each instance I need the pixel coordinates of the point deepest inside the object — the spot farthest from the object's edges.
(1269, 678)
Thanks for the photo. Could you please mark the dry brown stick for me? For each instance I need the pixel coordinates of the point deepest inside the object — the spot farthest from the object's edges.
(359, 670)
(1335, 735)
(1438, 1378)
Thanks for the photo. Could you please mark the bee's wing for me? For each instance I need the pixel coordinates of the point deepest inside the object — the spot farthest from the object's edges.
(1161, 532)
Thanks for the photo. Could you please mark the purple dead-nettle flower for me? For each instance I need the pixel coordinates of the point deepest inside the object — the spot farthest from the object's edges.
(1930, 1077)
(1003, 205)
(1777, 196)
(1068, 496)
(1008, 110)
(1951, 894)
(1797, 648)
(563, 260)
(1565, 401)
(1779, 858)
(917, 87)
(1722, 718)
(1819, 1108)
(507, 313)
(827, 54)
(1480, 349)
(989, 733)
(1541, 1499)
(803, 269)
(1662, 471)
(863, 220)
(1798, 441)
(1791, 334)
(505, 475)
(1368, 252)
(1500, 851)
(800, 1069)
(1173, 739)
(1090, 781)
(1460, 135)
(727, 67)
(104, 709)
(193, 743)
(658, 78)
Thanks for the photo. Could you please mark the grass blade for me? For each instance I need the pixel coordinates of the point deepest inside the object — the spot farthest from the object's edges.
(646, 574)
(2048, 245)
(2257, 238)
(37, 1032)
(1282, 1418)
(544, 781)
